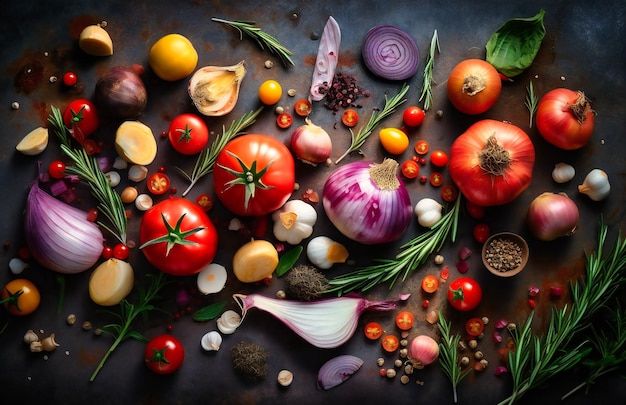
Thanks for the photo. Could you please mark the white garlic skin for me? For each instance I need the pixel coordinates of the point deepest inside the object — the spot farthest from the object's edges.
(562, 173)
(596, 185)
(211, 341)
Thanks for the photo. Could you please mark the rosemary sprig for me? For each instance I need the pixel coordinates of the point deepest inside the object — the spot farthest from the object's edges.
(448, 360)
(412, 255)
(611, 349)
(532, 102)
(427, 94)
(128, 312)
(206, 159)
(377, 116)
(537, 359)
(87, 169)
(262, 38)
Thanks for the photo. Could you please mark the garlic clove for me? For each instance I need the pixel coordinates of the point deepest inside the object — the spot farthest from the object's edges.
(143, 202)
(323, 252)
(211, 341)
(596, 185)
(35, 142)
(214, 90)
(49, 344)
(285, 378)
(30, 336)
(137, 173)
(562, 173)
(36, 346)
(113, 177)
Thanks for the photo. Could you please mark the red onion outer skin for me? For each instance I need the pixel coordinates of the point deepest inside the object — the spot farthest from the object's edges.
(363, 212)
(121, 93)
(552, 216)
(59, 236)
(390, 53)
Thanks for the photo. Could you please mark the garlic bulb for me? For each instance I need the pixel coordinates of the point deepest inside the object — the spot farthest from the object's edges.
(294, 221)
(428, 212)
(214, 90)
(562, 173)
(596, 185)
(323, 252)
(211, 341)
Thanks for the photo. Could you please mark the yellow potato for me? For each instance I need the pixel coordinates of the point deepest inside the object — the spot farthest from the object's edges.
(135, 143)
(95, 41)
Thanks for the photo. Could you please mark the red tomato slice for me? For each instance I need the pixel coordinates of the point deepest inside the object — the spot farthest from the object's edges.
(390, 343)
(349, 118)
(303, 107)
(474, 326)
(405, 320)
(284, 120)
(158, 183)
(410, 169)
(373, 330)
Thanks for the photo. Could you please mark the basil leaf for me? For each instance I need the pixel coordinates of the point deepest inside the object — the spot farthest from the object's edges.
(513, 47)
(209, 312)
(288, 260)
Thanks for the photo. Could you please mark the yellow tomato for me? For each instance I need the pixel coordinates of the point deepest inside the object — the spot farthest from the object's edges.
(393, 140)
(270, 92)
(173, 57)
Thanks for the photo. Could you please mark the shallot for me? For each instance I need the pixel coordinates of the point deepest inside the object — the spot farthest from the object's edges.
(121, 93)
(552, 216)
(311, 143)
(424, 350)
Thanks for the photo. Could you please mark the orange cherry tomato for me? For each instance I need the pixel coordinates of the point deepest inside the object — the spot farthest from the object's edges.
(394, 140)
(405, 320)
(410, 169)
(350, 118)
(439, 158)
(158, 183)
(449, 193)
(302, 107)
(270, 92)
(284, 120)
(390, 343)
(430, 284)
(474, 326)
(21, 297)
(421, 147)
(373, 330)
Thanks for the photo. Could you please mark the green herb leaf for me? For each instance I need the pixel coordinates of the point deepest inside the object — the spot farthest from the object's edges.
(532, 103)
(513, 47)
(427, 93)
(287, 260)
(209, 312)
(448, 349)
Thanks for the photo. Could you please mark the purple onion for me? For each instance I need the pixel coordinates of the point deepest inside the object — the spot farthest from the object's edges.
(121, 93)
(368, 202)
(337, 370)
(390, 53)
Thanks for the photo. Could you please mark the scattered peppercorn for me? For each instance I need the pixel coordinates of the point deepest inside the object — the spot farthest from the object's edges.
(503, 254)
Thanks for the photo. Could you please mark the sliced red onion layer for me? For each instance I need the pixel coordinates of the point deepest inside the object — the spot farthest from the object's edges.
(390, 52)
(59, 236)
(337, 370)
(325, 323)
(327, 57)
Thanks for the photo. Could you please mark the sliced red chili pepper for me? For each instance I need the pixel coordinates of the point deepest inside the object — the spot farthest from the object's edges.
(204, 201)
(421, 147)
(158, 183)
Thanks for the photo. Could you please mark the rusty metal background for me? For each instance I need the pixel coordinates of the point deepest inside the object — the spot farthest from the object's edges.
(583, 49)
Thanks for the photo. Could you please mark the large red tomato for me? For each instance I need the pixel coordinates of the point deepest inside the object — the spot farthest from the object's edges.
(177, 237)
(464, 294)
(164, 354)
(492, 162)
(254, 175)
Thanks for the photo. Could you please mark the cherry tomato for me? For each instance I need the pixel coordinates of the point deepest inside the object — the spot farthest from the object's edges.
(474, 210)
(444, 273)
(436, 179)
(121, 251)
(449, 193)
(164, 354)
(270, 92)
(81, 117)
(204, 201)
(188, 134)
(474, 326)
(421, 147)
(393, 140)
(158, 183)
(349, 118)
(107, 252)
(464, 294)
(405, 320)
(439, 158)
(284, 120)
(303, 107)
(373, 330)
(481, 232)
(413, 116)
(410, 169)
(21, 297)
(56, 169)
(430, 284)
(70, 79)
(390, 343)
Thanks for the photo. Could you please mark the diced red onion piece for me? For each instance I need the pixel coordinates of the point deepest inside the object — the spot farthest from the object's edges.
(58, 187)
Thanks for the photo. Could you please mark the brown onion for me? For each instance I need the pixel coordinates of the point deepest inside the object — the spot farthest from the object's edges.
(552, 216)
(121, 93)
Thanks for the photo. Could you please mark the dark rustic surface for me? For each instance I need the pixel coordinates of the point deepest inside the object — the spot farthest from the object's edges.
(583, 49)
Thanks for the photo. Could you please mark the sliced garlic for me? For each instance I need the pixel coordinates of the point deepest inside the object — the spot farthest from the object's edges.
(214, 90)
(323, 252)
(228, 322)
(212, 278)
(211, 341)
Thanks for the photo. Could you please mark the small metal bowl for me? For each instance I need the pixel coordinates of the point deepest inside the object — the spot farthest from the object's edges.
(496, 257)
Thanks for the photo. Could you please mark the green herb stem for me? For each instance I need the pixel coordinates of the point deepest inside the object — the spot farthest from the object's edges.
(448, 360)
(262, 38)
(412, 255)
(532, 103)
(87, 169)
(391, 104)
(427, 93)
(206, 159)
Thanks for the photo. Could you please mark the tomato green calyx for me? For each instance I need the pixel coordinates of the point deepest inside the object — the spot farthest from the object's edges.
(174, 236)
(473, 85)
(458, 294)
(248, 177)
(493, 158)
(158, 356)
(185, 134)
(13, 299)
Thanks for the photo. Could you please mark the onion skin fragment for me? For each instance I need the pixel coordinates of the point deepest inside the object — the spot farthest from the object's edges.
(327, 58)
(337, 370)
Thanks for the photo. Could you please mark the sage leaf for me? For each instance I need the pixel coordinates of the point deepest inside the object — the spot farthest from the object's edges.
(513, 47)
(287, 260)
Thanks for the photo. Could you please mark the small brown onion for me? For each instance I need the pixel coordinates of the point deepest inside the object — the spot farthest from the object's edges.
(424, 349)
(552, 216)
(311, 143)
(121, 93)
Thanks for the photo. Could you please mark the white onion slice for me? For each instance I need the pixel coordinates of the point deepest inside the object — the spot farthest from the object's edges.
(212, 279)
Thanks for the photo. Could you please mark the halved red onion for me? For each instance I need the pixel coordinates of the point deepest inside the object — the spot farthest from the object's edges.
(390, 52)
(337, 370)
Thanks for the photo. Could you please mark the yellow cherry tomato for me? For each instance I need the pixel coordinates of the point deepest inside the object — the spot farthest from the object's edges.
(20, 297)
(173, 57)
(393, 140)
(270, 92)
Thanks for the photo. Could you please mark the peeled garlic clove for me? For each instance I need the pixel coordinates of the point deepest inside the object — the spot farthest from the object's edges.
(34, 142)
(562, 173)
(285, 378)
(95, 41)
(49, 344)
(323, 252)
(211, 341)
(214, 90)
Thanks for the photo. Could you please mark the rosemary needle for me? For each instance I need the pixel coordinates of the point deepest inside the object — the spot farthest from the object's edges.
(427, 93)
(531, 102)
(262, 38)
(448, 348)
